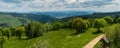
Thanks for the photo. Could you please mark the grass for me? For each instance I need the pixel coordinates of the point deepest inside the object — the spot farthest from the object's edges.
(12, 21)
(98, 45)
(56, 39)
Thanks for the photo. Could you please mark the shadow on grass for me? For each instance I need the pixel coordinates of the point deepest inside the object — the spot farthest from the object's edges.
(28, 38)
(77, 33)
(97, 32)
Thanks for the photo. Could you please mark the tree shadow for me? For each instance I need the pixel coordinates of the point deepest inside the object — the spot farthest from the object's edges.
(74, 34)
(27, 38)
(77, 33)
(97, 32)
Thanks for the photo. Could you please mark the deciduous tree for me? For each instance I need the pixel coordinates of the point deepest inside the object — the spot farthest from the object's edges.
(99, 23)
(108, 19)
(20, 31)
(34, 29)
(2, 40)
(79, 25)
(6, 32)
(57, 25)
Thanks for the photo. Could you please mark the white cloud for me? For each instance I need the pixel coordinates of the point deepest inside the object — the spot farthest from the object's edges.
(81, 0)
(71, 1)
(48, 5)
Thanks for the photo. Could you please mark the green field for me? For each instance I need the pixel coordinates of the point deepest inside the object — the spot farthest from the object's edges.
(55, 39)
(12, 21)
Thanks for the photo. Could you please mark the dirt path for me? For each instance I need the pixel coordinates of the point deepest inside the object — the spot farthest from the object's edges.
(94, 42)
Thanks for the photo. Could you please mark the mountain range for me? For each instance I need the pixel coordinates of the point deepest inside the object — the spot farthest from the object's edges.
(62, 14)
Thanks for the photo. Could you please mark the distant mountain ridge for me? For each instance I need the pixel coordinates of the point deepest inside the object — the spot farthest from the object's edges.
(112, 14)
(62, 14)
(94, 15)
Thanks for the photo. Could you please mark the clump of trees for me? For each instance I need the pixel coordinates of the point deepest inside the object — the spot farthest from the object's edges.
(115, 19)
(118, 20)
(48, 27)
(108, 19)
(20, 31)
(113, 35)
(34, 29)
(98, 23)
(6, 32)
(80, 25)
(57, 25)
(3, 39)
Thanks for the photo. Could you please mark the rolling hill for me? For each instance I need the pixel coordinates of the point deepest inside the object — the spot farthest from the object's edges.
(36, 17)
(11, 21)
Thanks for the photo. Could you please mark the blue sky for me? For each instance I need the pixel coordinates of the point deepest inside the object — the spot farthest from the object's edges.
(59, 5)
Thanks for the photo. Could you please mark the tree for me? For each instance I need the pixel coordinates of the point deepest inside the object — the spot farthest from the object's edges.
(20, 31)
(69, 24)
(87, 24)
(48, 27)
(118, 20)
(2, 40)
(57, 25)
(13, 32)
(113, 35)
(78, 24)
(108, 19)
(99, 23)
(38, 29)
(0, 33)
(116, 38)
(34, 29)
(6, 32)
(115, 19)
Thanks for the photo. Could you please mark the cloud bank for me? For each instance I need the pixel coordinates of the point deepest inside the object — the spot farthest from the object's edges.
(59, 5)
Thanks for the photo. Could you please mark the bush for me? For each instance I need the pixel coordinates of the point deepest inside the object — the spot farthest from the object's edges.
(20, 31)
(34, 29)
(0, 33)
(118, 20)
(57, 25)
(6, 32)
(48, 27)
(2, 40)
(40, 44)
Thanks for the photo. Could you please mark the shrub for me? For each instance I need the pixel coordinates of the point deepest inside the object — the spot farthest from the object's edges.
(6, 32)
(20, 31)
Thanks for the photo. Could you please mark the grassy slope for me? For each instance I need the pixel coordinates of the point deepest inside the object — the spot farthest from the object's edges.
(56, 39)
(12, 21)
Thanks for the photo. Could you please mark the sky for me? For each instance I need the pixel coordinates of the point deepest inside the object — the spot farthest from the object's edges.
(59, 5)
